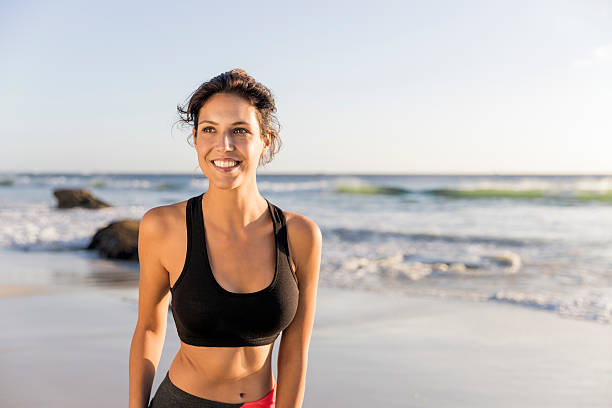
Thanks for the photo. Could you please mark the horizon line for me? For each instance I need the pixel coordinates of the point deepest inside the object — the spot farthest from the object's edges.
(294, 173)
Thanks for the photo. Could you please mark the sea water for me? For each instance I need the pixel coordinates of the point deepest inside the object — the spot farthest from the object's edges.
(541, 242)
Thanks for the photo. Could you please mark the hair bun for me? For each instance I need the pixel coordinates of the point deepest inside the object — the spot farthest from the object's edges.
(238, 71)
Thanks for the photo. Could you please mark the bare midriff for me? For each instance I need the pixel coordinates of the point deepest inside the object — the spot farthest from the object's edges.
(227, 374)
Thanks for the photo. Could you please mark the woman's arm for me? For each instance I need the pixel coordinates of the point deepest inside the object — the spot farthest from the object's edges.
(305, 247)
(153, 298)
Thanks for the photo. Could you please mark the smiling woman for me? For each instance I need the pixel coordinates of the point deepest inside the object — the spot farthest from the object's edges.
(237, 82)
(223, 147)
(236, 269)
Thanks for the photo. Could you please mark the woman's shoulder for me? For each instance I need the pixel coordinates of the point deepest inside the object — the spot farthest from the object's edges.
(305, 241)
(301, 225)
(164, 217)
(303, 233)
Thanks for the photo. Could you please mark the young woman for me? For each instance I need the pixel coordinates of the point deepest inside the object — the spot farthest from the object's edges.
(240, 270)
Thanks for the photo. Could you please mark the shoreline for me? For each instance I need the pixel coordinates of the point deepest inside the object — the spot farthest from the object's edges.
(367, 348)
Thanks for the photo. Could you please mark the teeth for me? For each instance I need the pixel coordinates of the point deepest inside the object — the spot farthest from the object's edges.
(225, 163)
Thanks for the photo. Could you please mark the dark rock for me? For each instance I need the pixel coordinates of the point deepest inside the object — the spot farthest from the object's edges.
(118, 240)
(69, 198)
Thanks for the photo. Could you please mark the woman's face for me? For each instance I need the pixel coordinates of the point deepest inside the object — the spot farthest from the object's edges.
(228, 129)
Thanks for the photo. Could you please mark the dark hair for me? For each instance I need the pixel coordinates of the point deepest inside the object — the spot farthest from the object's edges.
(239, 83)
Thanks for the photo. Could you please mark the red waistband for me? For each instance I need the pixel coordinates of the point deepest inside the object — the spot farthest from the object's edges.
(268, 401)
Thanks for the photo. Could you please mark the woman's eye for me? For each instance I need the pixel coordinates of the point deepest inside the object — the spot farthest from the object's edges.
(206, 130)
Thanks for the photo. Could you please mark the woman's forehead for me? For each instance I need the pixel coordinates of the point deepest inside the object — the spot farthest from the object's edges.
(222, 108)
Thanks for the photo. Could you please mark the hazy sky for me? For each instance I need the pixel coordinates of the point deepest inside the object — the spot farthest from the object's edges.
(360, 86)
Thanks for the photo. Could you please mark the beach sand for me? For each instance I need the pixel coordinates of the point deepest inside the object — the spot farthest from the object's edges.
(22, 290)
(70, 348)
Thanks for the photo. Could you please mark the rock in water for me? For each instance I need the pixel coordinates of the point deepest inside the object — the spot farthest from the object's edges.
(118, 240)
(69, 198)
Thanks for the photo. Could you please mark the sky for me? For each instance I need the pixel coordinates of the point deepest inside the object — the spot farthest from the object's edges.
(389, 87)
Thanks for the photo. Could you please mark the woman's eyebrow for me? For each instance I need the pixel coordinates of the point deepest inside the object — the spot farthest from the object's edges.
(215, 123)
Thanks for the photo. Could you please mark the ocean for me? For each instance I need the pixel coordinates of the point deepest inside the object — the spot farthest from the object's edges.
(538, 242)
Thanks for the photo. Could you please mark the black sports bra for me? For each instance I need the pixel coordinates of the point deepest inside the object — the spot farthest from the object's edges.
(206, 314)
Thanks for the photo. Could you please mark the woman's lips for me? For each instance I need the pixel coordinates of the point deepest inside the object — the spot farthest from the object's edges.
(226, 169)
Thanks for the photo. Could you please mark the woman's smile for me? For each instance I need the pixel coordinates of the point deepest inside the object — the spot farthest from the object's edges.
(225, 166)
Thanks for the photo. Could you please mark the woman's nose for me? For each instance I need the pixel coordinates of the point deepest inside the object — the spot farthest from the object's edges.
(227, 142)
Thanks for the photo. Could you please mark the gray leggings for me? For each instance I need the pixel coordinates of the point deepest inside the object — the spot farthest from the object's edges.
(169, 395)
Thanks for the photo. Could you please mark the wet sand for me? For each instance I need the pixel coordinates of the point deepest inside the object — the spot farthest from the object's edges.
(70, 348)
(22, 290)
